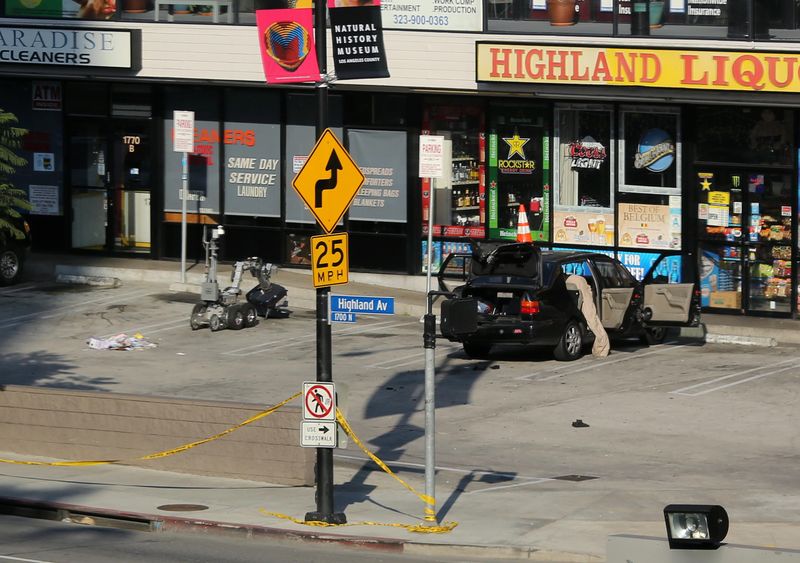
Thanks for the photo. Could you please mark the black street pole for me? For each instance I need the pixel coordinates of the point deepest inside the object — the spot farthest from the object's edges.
(324, 467)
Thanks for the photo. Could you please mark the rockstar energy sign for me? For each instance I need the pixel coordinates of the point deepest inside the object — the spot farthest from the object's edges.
(707, 70)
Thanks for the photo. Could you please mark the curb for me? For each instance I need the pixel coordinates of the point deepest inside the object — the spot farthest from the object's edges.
(89, 516)
(97, 281)
(763, 341)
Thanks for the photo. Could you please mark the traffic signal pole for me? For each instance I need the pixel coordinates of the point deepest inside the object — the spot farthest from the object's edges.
(324, 467)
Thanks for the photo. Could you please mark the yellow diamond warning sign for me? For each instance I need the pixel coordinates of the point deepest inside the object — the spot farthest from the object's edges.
(329, 259)
(328, 181)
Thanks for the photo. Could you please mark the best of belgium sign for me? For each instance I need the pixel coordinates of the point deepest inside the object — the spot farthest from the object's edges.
(659, 68)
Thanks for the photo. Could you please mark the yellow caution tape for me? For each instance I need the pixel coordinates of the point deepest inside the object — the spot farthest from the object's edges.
(161, 454)
(430, 514)
(421, 528)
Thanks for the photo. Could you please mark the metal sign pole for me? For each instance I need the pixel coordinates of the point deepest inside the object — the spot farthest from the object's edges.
(429, 342)
(184, 193)
(324, 467)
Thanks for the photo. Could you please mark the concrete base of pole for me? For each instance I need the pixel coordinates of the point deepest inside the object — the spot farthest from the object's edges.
(328, 518)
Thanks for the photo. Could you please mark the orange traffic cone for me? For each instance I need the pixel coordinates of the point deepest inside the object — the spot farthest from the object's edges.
(523, 229)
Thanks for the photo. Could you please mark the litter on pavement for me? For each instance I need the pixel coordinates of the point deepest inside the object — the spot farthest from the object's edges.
(120, 342)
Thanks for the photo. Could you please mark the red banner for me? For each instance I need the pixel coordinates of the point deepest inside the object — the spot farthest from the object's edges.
(286, 40)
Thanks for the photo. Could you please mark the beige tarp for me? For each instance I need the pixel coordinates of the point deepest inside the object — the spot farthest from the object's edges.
(601, 345)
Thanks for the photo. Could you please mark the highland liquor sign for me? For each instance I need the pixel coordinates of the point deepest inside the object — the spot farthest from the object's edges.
(67, 47)
(707, 70)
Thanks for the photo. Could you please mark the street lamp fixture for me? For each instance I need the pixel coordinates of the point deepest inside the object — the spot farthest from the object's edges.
(695, 526)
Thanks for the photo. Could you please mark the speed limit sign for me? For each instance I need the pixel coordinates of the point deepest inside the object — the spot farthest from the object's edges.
(329, 259)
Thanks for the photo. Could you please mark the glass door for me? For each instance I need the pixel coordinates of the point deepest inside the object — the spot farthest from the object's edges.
(130, 187)
(745, 231)
(110, 180)
(768, 247)
(90, 176)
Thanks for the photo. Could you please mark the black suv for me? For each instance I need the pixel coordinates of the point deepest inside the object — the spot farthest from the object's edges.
(523, 297)
(13, 252)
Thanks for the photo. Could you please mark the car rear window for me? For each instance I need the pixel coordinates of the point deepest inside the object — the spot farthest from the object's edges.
(511, 260)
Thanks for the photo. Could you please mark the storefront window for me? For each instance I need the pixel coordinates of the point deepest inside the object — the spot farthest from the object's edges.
(721, 19)
(458, 198)
(745, 135)
(583, 207)
(251, 144)
(204, 163)
(381, 156)
(518, 171)
(650, 150)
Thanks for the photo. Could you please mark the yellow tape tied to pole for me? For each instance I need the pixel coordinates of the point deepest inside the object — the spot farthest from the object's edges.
(420, 528)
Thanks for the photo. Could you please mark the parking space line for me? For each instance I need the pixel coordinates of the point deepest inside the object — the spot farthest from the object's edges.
(77, 306)
(271, 342)
(662, 349)
(146, 328)
(284, 343)
(17, 288)
(684, 390)
(182, 324)
(510, 485)
(409, 359)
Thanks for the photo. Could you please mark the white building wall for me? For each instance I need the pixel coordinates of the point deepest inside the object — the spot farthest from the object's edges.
(418, 60)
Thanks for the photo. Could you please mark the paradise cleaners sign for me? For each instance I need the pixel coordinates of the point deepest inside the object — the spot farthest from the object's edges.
(68, 47)
(707, 70)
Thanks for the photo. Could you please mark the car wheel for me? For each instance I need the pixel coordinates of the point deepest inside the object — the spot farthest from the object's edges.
(10, 266)
(236, 318)
(654, 335)
(215, 323)
(570, 347)
(250, 315)
(198, 312)
(477, 350)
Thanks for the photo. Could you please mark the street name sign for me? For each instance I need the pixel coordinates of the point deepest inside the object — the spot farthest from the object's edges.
(343, 317)
(328, 181)
(319, 401)
(318, 434)
(362, 304)
(330, 262)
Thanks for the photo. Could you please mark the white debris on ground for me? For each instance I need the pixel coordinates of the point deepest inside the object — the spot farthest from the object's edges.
(120, 342)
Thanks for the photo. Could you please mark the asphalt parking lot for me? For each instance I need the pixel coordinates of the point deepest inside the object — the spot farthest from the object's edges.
(689, 422)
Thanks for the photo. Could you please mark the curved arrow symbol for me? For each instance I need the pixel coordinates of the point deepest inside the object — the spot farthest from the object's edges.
(327, 183)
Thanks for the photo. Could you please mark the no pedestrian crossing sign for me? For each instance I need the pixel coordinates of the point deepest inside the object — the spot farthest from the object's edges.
(319, 401)
(318, 428)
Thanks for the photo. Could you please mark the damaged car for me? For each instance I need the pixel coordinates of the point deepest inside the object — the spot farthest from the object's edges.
(525, 295)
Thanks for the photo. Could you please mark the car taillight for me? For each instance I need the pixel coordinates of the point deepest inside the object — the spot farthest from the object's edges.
(528, 307)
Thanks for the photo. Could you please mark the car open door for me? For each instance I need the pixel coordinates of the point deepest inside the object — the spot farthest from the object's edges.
(454, 271)
(669, 299)
(615, 292)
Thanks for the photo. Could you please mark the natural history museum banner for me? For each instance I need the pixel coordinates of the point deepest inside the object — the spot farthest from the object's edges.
(706, 70)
